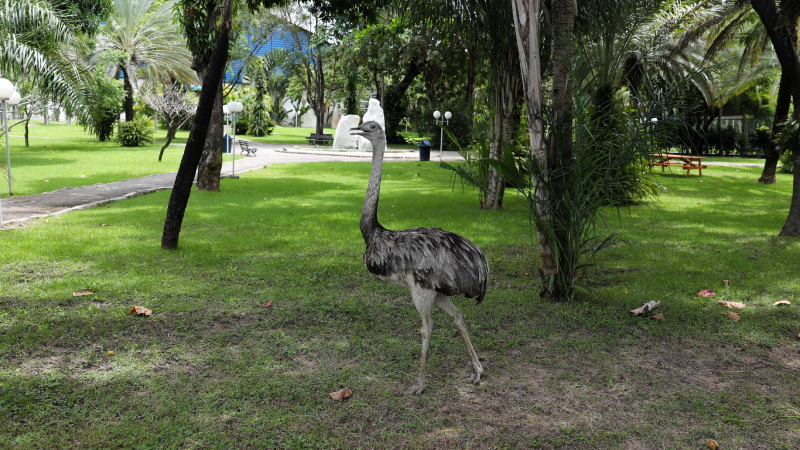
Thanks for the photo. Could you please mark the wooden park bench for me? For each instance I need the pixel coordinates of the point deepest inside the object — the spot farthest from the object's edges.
(674, 160)
(320, 139)
(246, 149)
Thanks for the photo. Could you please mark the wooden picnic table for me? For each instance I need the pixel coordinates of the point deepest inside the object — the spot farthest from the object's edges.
(687, 162)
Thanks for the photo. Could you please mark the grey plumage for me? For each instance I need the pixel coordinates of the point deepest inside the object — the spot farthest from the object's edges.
(434, 264)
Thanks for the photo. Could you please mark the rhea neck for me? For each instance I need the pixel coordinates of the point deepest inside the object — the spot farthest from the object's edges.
(369, 214)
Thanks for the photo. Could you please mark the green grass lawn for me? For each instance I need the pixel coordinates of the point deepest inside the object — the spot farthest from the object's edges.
(61, 156)
(214, 368)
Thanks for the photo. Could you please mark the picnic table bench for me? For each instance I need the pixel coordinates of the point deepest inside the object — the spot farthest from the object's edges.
(246, 149)
(675, 160)
(320, 138)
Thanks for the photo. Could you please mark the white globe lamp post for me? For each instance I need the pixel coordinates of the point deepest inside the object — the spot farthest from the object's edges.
(446, 120)
(234, 108)
(6, 91)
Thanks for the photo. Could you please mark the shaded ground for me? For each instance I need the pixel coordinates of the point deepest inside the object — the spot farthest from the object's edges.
(214, 368)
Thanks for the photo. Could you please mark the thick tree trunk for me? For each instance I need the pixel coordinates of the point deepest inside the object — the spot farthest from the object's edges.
(393, 110)
(526, 26)
(126, 82)
(197, 137)
(210, 169)
(786, 50)
(781, 114)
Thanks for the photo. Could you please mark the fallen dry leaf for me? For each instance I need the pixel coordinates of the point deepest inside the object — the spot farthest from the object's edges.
(712, 444)
(734, 305)
(110, 353)
(707, 293)
(732, 315)
(342, 394)
(46, 220)
(269, 303)
(726, 282)
(140, 310)
(81, 292)
(782, 303)
(658, 316)
(644, 309)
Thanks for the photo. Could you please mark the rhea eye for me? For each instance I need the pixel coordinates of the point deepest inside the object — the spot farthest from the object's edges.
(372, 126)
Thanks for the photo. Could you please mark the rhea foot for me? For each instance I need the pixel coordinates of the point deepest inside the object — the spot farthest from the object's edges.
(416, 389)
(475, 379)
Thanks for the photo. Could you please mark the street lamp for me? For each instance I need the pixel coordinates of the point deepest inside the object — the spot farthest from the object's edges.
(6, 91)
(234, 108)
(446, 120)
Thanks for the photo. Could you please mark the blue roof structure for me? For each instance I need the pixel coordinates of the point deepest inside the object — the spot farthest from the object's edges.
(281, 38)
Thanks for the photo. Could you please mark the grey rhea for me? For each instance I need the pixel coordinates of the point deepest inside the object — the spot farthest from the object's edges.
(434, 264)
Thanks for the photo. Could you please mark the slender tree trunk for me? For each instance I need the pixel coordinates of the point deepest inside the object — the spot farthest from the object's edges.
(495, 185)
(319, 85)
(197, 137)
(781, 114)
(26, 131)
(526, 26)
(173, 128)
(210, 169)
(507, 92)
(126, 82)
(786, 50)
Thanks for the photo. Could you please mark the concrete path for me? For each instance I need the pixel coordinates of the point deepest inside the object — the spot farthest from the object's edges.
(20, 209)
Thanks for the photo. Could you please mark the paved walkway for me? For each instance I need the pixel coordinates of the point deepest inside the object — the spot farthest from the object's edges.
(20, 209)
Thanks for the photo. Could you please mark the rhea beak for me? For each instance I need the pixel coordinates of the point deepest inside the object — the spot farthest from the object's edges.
(357, 132)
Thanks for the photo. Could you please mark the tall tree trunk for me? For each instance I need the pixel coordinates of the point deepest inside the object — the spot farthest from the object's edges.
(210, 169)
(786, 50)
(526, 26)
(197, 137)
(781, 114)
(563, 16)
(26, 131)
(126, 82)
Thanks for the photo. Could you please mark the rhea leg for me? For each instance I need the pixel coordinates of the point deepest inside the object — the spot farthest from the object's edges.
(423, 301)
(442, 301)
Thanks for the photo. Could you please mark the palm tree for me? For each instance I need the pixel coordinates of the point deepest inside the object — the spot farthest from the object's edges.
(146, 42)
(34, 40)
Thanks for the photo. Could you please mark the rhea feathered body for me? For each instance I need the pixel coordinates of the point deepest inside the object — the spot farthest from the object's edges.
(434, 264)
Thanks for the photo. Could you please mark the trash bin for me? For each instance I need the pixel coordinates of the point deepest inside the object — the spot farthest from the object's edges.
(425, 150)
(227, 143)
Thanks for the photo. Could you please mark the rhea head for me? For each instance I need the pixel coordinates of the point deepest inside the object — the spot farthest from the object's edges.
(370, 130)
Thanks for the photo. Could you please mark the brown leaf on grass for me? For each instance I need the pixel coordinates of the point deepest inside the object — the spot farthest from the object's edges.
(111, 353)
(659, 316)
(342, 394)
(782, 303)
(732, 305)
(140, 310)
(726, 283)
(81, 292)
(732, 315)
(269, 303)
(707, 293)
(712, 444)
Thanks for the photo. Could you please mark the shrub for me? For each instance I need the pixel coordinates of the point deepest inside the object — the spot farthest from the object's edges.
(264, 129)
(242, 126)
(788, 139)
(135, 132)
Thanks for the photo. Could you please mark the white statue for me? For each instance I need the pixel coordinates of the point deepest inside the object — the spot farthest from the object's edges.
(374, 112)
(343, 138)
